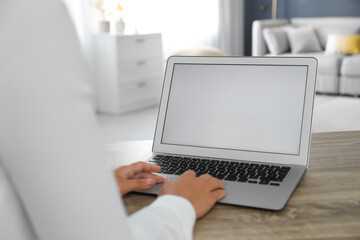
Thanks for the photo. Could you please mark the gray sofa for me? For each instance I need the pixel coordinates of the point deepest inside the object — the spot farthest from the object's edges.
(337, 73)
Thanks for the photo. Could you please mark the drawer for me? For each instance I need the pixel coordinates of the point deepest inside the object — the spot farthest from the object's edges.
(140, 68)
(142, 46)
(140, 91)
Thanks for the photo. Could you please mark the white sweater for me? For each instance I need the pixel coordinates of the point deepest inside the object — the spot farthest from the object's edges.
(54, 180)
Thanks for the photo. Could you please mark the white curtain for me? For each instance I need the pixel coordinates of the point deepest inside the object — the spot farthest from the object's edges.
(231, 27)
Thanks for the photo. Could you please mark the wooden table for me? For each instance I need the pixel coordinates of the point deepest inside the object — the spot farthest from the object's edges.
(326, 204)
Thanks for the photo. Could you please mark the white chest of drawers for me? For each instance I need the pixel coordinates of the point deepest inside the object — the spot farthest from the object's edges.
(128, 72)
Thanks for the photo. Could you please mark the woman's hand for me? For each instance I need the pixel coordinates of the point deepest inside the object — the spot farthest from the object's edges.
(137, 176)
(203, 192)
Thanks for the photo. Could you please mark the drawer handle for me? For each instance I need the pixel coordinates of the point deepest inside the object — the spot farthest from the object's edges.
(140, 63)
(140, 40)
(141, 84)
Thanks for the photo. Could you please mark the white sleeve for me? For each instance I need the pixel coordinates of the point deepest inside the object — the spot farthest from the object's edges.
(49, 145)
(172, 212)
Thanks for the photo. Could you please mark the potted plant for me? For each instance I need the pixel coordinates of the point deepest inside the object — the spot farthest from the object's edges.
(117, 16)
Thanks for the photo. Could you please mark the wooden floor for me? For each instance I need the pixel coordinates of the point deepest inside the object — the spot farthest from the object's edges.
(326, 204)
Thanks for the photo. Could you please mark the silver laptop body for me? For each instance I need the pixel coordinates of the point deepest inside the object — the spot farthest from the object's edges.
(243, 110)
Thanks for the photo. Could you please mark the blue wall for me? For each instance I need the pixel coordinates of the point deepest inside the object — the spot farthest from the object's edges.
(318, 8)
(296, 8)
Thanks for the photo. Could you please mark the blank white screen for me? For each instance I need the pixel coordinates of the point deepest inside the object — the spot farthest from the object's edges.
(239, 107)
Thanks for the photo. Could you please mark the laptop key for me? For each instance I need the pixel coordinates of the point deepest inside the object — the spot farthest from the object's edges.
(158, 157)
(198, 174)
(221, 170)
(156, 162)
(264, 182)
(169, 172)
(274, 184)
(179, 172)
(231, 178)
(220, 177)
(242, 179)
(254, 175)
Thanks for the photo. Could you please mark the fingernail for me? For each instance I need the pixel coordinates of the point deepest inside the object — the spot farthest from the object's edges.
(150, 181)
(166, 180)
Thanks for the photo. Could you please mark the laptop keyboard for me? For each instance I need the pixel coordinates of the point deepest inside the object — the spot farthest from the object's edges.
(253, 173)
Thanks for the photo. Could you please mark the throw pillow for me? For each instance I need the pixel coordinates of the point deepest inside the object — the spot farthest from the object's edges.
(303, 39)
(345, 44)
(324, 31)
(276, 40)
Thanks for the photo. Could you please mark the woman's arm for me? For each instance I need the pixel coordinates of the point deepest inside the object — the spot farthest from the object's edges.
(49, 145)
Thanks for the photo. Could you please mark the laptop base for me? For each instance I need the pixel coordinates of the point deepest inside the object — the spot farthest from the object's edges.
(254, 195)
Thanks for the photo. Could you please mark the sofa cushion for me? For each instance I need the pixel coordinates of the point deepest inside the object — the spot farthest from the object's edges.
(325, 31)
(346, 44)
(303, 39)
(351, 65)
(329, 25)
(276, 40)
(327, 64)
(258, 42)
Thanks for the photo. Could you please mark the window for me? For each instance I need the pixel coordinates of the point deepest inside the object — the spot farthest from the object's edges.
(183, 23)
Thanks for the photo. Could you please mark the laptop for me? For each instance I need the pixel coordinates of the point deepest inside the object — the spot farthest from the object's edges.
(244, 120)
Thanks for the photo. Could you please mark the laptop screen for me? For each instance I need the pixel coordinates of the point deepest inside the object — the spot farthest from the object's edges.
(256, 108)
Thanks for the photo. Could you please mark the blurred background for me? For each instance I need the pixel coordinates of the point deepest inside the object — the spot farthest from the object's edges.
(126, 44)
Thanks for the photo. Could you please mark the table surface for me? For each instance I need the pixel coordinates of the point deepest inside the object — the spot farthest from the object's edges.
(325, 205)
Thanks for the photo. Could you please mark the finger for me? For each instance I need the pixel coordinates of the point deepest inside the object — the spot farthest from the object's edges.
(214, 184)
(143, 175)
(138, 167)
(218, 194)
(149, 167)
(136, 184)
(145, 167)
(166, 181)
(205, 177)
(188, 173)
